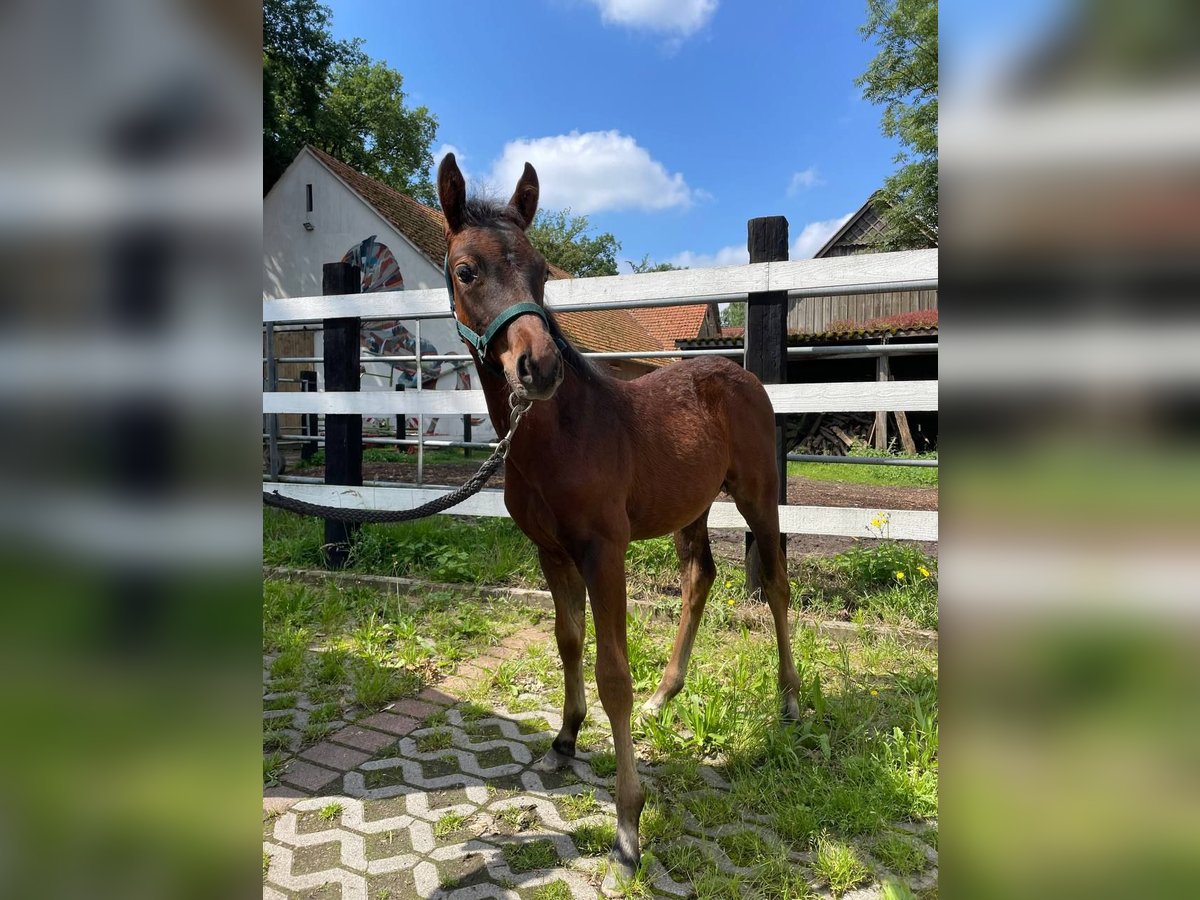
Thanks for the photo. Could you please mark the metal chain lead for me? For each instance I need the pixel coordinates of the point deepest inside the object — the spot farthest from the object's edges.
(518, 406)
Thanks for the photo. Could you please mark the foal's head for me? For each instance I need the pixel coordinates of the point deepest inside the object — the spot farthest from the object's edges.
(493, 267)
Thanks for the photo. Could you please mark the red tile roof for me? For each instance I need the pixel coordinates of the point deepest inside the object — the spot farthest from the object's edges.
(612, 330)
(668, 324)
(607, 330)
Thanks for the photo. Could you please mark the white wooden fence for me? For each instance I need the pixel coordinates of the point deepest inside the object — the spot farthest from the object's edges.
(812, 278)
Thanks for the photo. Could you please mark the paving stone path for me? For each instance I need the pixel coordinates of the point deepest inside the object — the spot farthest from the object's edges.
(435, 798)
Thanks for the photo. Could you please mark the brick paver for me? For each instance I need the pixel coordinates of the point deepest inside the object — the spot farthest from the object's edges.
(306, 775)
(414, 708)
(390, 722)
(335, 757)
(363, 738)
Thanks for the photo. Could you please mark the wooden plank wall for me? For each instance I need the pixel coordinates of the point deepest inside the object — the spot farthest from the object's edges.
(814, 315)
(290, 343)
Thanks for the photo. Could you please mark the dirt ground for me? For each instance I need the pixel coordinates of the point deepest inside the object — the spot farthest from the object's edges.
(727, 544)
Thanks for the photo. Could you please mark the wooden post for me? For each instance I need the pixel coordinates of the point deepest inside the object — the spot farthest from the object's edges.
(343, 433)
(467, 435)
(883, 372)
(766, 337)
(401, 426)
(906, 439)
(308, 385)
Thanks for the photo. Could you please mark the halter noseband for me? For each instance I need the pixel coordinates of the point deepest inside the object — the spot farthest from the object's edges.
(480, 342)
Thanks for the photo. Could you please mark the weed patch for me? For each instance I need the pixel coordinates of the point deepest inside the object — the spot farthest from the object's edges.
(530, 855)
(838, 864)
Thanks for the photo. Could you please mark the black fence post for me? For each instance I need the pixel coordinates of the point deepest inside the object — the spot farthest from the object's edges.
(308, 385)
(401, 426)
(766, 338)
(343, 433)
(467, 435)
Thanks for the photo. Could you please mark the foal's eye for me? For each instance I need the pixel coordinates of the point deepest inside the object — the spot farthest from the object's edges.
(465, 275)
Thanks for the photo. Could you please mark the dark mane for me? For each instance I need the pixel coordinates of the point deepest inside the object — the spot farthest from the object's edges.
(570, 354)
(485, 212)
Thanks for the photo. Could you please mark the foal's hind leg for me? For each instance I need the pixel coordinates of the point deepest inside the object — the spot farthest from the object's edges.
(570, 610)
(697, 573)
(770, 567)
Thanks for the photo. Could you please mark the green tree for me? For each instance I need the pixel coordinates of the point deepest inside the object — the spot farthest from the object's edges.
(903, 78)
(564, 240)
(734, 314)
(646, 266)
(364, 123)
(329, 93)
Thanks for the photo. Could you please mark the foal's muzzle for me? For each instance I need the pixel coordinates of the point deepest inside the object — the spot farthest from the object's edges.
(532, 362)
(540, 377)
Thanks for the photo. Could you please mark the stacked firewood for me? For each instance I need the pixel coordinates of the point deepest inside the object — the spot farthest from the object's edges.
(830, 434)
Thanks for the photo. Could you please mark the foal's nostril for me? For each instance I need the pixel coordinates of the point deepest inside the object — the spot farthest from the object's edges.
(523, 369)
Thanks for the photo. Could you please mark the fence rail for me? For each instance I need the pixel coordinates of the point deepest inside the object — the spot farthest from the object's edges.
(902, 524)
(885, 272)
(874, 273)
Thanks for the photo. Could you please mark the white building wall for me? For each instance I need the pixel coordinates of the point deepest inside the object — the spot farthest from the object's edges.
(293, 257)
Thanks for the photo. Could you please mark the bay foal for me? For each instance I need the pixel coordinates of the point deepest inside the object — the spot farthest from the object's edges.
(599, 462)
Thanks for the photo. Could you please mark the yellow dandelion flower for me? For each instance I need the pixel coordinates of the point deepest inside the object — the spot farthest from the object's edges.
(899, 575)
(874, 693)
(924, 571)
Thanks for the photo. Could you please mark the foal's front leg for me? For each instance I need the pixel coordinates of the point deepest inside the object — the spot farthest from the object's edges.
(604, 572)
(569, 591)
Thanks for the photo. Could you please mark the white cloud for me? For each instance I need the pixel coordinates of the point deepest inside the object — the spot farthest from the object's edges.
(733, 255)
(811, 238)
(814, 235)
(592, 172)
(802, 181)
(680, 17)
(440, 153)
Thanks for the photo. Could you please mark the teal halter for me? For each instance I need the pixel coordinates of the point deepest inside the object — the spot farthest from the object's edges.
(480, 342)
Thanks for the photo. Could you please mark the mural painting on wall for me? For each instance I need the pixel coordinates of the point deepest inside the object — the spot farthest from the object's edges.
(381, 272)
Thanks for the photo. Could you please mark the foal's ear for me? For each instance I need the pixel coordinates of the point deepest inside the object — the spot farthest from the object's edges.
(525, 197)
(452, 193)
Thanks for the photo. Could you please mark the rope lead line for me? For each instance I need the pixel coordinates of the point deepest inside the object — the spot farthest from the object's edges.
(518, 406)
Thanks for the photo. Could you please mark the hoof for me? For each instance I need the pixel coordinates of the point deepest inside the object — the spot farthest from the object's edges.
(653, 706)
(553, 761)
(791, 709)
(619, 874)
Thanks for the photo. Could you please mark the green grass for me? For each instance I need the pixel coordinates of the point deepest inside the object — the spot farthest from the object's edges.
(579, 806)
(849, 473)
(604, 764)
(330, 811)
(838, 864)
(492, 551)
(530, 855)
(482, 551)
(660, 824)
(594, 840)
(272, 768)
(435, 740)
(898, 854)
(745, 848)
(555, 890)
(448, 824)
(432, 455)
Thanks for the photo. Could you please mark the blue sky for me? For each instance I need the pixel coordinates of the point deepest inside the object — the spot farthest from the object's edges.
(669, 122)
